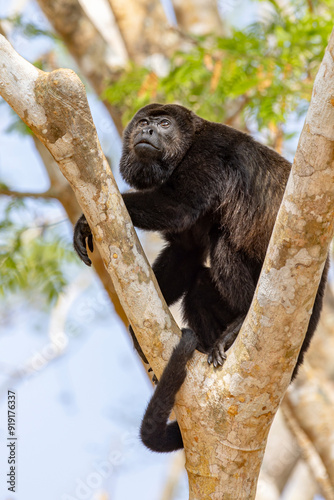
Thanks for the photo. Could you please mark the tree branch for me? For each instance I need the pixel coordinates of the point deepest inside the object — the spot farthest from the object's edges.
(311, 400)
(309, 452)
(25, 194)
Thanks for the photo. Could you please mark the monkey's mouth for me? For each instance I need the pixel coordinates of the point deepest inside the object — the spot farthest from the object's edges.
(145, 144)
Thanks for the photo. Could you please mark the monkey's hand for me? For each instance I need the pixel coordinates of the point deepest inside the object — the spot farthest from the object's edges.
(217, 354)
(82, 233)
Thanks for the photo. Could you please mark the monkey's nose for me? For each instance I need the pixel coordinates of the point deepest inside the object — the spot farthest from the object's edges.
(148, 131)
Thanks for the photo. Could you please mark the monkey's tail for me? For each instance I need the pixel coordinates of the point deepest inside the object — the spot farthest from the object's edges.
(156, 433)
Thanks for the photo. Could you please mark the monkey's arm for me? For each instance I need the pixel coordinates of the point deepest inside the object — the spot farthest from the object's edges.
(163, 209)
(158, 211)
(147, 211)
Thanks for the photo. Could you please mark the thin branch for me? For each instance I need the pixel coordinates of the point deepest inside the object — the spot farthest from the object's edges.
(25, 194)
(311, 400)
(308, 451)
(244, 100)
(175, 472)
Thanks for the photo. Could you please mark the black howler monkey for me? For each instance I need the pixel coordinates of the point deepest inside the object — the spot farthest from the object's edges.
(213, 192)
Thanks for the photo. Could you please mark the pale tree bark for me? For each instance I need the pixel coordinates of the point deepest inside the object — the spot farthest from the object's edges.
(102, 17)
(301, 484)
(311, 401)
(62, 191)
(99, 61)
(199, 17)
(102, 36)
(144, 28)
(225, 415)
(72, 112)
(309, 452)
(282, 453)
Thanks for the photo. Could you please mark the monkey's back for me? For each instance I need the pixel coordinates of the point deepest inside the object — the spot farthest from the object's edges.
(248, 178)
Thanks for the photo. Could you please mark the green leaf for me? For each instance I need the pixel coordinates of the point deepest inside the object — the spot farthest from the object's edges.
(272, 62)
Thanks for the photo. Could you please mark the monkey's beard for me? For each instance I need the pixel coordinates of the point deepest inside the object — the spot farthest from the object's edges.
(142, 174)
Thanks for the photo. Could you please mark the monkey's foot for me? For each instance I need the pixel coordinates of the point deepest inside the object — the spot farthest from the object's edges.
(217, 355)
(136, 345)
(83, 235)
(154, 377)
(141, 354)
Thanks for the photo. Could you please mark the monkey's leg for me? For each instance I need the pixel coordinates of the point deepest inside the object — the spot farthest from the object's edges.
(205, 311)
(234, 275)
(175, 269)
(156, 433)
(314, 319)
(217, 354)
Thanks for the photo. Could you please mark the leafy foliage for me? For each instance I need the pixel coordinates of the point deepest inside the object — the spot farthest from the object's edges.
(32, 259)
(29, 30)
(265, 72)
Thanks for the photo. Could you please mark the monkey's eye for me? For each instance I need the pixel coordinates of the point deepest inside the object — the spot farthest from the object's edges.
(164, 123)
(143, 123)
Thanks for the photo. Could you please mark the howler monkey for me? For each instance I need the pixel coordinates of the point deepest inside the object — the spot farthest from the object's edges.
(213, 192)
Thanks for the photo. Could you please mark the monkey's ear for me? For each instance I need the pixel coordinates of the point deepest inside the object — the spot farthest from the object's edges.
(197, 122)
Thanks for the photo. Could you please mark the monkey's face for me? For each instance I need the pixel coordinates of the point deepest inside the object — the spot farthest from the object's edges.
(155, 142)
(151, 136)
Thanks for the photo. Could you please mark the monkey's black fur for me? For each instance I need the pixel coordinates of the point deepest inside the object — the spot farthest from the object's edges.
(213, 192)
(154, 432)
